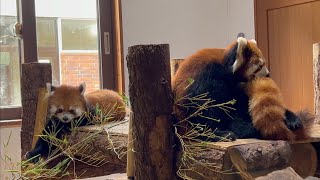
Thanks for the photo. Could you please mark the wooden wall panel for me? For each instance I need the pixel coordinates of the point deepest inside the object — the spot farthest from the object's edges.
(290, 53)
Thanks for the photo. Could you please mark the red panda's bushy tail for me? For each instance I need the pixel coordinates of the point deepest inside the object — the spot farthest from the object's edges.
(308, 120)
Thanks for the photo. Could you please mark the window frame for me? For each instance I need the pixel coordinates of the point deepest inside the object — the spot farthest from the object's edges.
(111, 71)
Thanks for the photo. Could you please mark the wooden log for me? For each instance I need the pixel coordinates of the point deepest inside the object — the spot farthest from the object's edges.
(304, 159)
(104, 148)
(130, 153)
(316, 79)
(260, 156)
(287, 173)
(41, 114)
(151, 102)
(33, 77)
(218, 165)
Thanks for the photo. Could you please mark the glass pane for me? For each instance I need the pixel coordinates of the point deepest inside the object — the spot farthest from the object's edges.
(9, 56)
(48, 51)
(79, 34)
(69, 40)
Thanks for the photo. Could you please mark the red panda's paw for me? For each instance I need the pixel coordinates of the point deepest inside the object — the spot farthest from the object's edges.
(225, 135)
(292, 121)
(307, 120)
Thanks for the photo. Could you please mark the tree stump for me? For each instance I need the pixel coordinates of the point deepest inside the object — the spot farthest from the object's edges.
(34, 76)
(151, 102)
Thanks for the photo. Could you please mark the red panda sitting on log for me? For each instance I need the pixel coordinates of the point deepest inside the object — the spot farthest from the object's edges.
(269, 114)
(220, 73)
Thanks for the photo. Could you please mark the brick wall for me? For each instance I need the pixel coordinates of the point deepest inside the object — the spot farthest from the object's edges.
(80, 67)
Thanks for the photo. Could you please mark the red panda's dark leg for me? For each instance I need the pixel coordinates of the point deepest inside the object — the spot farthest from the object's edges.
(293, 122)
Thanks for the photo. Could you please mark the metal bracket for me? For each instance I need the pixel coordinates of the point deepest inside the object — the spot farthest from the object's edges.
(17, 30)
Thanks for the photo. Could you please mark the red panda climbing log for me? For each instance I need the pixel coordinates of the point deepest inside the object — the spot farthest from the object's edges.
(269, 114)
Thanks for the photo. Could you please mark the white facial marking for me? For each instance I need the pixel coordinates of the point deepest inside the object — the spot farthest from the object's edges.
(251, 70)
(65, 117)
(53, 109)
(242, 43)
(253, 41)
(79, 112)
(263, 72)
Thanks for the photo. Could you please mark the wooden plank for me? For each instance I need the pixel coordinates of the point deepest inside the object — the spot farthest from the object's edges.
(315, 137)
(41, 114)
(316, 79)
(123, 128)
(33, 77)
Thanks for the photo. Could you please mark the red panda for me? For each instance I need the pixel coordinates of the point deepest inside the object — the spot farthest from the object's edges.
(70, 102)
(219, 72)
(269, 114)
(242, 57)
(67, 104)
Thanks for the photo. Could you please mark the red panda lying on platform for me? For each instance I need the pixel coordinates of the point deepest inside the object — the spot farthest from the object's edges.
(67, 106)
(70, 102)
(269, 114)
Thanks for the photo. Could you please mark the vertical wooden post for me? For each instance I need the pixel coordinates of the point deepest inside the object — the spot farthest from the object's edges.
(316, 79)
(34, 76)
(130, 153)
(151, 102)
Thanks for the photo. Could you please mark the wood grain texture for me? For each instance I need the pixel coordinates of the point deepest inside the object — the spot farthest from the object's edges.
(286, 173)
(290, 40)
(316, 79)
(33, 77)
(261, 19)
(151, 103)
(41, 114)
(304, 159)
(253, 157)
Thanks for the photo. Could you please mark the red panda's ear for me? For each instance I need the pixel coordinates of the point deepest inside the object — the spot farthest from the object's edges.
(241, 43)
(253, 41)
(82, 88)
(50, 88)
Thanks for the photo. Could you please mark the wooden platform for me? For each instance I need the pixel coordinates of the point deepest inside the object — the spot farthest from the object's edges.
(300, 155)
(315, 137)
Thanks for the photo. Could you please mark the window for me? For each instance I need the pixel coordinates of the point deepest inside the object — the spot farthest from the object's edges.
(78, 34)
(9, 64)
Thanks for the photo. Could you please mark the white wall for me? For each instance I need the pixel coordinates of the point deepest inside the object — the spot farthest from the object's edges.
(187, 25)
(55, 8)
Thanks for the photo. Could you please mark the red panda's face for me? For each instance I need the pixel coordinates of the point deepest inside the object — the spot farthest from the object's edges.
(250, 62)
(66, 103)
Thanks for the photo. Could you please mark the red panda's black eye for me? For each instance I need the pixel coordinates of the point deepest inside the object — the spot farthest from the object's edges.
(59, 110)
(72, 111)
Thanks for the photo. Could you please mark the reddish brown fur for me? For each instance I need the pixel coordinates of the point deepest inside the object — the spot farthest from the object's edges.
(308, 122)
(194, 64)
(198, 60)
(267, 110)
(67, 96)
(108, 101)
